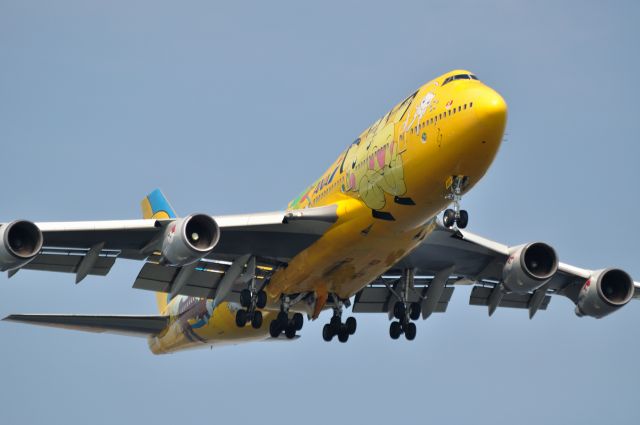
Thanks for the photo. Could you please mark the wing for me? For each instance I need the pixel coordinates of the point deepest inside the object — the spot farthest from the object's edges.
(447, 258)
(124, 325)
(263, 241)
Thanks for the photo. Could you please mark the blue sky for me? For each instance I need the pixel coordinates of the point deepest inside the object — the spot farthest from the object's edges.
(235, 107)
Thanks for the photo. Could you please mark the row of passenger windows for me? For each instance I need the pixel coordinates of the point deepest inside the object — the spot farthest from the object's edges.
(434, 119)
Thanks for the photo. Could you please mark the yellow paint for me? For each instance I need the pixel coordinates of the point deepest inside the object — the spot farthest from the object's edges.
(411, 153)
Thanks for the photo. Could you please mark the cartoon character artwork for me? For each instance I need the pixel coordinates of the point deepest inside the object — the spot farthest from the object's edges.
(303, 200)
(373, 163)
(373, 167)
(427, 104)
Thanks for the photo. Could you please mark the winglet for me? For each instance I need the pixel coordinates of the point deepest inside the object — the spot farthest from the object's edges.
(155, 205)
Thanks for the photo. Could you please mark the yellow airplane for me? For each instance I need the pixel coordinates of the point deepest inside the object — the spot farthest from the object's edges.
(366, 234)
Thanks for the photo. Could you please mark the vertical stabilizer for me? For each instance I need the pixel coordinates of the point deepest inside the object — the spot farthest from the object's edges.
(155, 205)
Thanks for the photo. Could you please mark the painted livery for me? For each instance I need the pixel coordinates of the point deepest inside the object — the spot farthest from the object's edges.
(368, 227)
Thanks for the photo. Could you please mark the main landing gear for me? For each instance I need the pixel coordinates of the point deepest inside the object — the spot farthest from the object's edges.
(335, 327)
(456, 216)
(283, 323)
(251, 300)
(403, 310)
(404, 325)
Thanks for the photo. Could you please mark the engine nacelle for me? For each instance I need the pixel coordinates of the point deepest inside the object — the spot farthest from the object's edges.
(20, 242)
(529, 267)
(604, 292)
(189, 239)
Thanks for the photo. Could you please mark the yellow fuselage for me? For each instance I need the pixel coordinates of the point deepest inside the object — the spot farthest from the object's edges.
(388, 186)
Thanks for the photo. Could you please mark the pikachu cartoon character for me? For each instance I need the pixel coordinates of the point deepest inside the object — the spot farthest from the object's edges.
(374, 166)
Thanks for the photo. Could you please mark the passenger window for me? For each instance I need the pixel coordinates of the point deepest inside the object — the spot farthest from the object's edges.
(470, 104)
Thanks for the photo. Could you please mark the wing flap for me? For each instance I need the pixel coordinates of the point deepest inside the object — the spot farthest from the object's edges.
(68, 261)
(378, 299)
(480, 296)
(127, 325)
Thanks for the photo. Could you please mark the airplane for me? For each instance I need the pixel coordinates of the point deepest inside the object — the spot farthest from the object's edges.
(381, 231)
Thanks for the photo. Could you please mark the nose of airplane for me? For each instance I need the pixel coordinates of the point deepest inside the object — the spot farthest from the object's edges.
(492, 111)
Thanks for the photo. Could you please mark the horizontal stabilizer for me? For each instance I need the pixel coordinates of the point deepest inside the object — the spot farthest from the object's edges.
(127, 325)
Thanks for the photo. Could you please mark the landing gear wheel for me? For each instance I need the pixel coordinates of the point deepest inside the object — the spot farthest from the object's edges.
(241, 318)
(290, 332)
(274, 329)
(343, 334)
(335, 324)
(327, 335)
(297, 320)
(414, 311)
(256, 320)
(245, 298)
(395, 330)
(399, 310)
(351, 325)
(410, 331)
(282, 318)
(463, 220)
(261, 299)
(449, 218)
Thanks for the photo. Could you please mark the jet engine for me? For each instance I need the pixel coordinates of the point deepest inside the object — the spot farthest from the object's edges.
(529, 267)
(604, 292)
(189, 239)
(21, 241)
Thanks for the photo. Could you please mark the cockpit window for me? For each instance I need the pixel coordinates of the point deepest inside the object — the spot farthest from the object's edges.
(459, 77)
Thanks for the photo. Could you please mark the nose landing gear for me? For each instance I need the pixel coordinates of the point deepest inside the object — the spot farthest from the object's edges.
(456, 216)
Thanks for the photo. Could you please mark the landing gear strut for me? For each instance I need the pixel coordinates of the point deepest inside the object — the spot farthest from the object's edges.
(335, 327)
(251, 299)
(456, 216)
(283, 323)
(404, 311)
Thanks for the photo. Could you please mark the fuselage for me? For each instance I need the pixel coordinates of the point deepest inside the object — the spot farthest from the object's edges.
(388, 185)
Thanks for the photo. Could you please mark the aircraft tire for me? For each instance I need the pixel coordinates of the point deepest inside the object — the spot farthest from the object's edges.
(274, 329)
(343, 334)
(399, 310)
(261, 299)
(463, 220)
(290, 332)
(415, 310)
(245, 298)
(327, 334)
(241, 318)
(298, 321)
(351, 325)
(395, 330)
(282, 318)
(410, 331)
(256, 320)
(449, 218)
(335, 323)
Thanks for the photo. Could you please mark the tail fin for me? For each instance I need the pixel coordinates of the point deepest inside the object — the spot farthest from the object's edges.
(155, 205)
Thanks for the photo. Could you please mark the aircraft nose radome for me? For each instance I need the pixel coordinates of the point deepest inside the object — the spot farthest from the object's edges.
(492, 109)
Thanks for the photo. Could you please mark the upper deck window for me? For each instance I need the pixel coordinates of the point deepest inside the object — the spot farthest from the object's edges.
(459, 77)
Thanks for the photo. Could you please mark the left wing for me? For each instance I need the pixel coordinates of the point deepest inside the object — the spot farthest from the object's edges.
(524, 276)
(92, 247)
